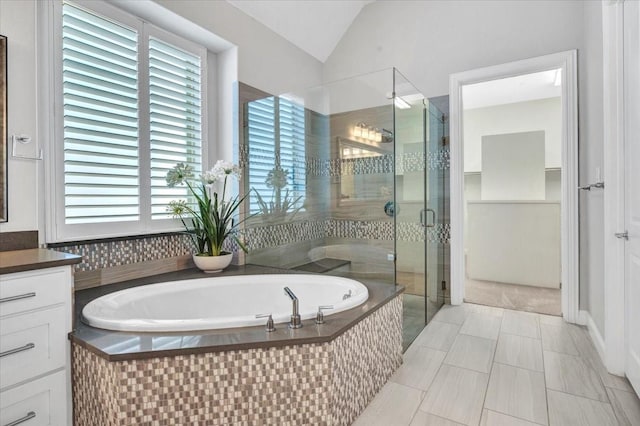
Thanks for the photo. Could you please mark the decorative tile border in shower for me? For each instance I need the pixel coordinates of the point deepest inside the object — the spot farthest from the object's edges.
(263, 236)
(363, 229)
(319, 384)
(260, 237)
(439, 159)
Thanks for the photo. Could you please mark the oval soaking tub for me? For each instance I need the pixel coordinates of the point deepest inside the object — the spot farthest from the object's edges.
(221, 302)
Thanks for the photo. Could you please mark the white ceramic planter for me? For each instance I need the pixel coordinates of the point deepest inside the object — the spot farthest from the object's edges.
(212, 264)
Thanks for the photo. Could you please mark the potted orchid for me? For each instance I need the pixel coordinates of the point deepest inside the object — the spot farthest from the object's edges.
(213, 219)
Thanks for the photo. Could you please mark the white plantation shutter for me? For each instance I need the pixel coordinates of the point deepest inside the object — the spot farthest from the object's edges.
(261, 140)
(292, 152)
(133, 107)
(276, 128)
(100, 96)
(175, 119)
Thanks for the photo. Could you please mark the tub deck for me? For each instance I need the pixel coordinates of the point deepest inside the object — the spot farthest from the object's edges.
(119, 346)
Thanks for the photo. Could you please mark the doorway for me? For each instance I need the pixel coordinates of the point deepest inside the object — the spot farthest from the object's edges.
(513, 186)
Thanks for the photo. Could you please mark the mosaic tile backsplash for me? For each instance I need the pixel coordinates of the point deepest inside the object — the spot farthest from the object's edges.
(100, 255)
(310, 384)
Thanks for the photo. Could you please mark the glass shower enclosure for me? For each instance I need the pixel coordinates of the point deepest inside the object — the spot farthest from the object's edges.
(339, 183)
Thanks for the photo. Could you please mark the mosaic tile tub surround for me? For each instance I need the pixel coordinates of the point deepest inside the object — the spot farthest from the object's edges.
(103, 255)
(309, 384)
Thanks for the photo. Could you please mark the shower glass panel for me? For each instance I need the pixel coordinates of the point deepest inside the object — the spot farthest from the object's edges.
(337, 184)
(411, 212)
(421, 189)
(318, 167)
(437, 237)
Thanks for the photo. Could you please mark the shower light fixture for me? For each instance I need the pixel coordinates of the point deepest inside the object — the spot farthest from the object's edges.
(369, 133)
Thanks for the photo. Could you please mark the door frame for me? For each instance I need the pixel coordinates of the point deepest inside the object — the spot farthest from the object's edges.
(567, 61)
(613, 350)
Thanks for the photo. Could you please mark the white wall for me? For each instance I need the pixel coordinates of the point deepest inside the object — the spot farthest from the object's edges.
(515, 242)
(590, 64)
(265, 60)
(513, 166)
(17, 22)
(542, 114)
(428, 40)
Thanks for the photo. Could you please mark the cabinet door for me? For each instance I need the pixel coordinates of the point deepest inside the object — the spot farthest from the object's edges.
(30, 290)
(31, 344)
(40, 402)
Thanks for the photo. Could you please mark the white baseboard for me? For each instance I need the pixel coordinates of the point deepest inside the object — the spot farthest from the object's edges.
(584, 318)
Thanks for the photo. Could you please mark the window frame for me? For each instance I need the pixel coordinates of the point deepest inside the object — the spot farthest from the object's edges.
(57, 229)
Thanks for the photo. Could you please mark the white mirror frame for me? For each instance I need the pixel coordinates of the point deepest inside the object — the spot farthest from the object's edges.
(567, 61)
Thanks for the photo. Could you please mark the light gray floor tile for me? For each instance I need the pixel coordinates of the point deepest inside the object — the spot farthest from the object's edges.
(394, 405)
(571, 374)
(456, 394)
(419, 368)
(425, 419)
(626, 406)
(452, 314)
(518, 351)
(557, 339)
(558, 321)
(589, 353)
(474, 353)
(482, 325)
(571, 410)
(517, 392)
(437, 335)
(520, 323)
(493, 418)
(483, 309)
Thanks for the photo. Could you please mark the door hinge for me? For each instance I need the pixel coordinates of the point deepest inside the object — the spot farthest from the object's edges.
(444, 285)
(623, 235)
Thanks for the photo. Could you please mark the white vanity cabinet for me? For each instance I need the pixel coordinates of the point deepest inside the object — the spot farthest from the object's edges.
(35, 319)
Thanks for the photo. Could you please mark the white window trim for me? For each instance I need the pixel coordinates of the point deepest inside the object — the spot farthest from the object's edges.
(51, 124)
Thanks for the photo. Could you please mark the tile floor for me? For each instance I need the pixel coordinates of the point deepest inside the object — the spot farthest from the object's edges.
(479, 365)
(413, 316)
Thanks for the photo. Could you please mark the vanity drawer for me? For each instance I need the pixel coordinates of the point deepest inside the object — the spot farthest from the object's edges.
(41, 402)
(25, 291)
(32, 344)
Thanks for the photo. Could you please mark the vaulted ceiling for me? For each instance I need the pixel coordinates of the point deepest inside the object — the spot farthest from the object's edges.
(315, 26)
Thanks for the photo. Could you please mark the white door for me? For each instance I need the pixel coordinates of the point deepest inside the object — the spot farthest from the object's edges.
(632, 189)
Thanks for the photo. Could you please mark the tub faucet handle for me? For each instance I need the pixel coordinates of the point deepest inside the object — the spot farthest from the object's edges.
(296, 320)
(270, 325)
(320, 314)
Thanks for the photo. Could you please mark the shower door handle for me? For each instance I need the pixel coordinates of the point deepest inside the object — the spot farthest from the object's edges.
(423, 218)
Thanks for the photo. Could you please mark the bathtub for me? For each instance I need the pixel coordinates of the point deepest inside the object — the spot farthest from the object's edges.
(220, 302)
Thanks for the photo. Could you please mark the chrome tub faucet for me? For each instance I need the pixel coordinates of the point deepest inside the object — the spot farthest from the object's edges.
(296, 322)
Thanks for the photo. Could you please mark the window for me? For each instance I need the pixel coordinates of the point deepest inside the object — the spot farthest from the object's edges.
(133, 104)
(276, 140)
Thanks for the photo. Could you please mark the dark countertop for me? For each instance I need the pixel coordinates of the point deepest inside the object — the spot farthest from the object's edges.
(28, 260)
(119, 345)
